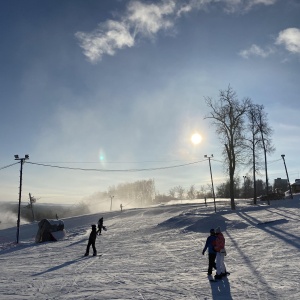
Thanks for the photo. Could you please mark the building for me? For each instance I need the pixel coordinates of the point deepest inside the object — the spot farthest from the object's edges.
(280, 185)
(296, 186)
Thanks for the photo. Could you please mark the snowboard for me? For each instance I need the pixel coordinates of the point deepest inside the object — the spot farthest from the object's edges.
(98, 255)
(211, 278)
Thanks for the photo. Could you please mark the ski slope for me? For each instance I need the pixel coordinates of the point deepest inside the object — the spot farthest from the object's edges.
(155, 253)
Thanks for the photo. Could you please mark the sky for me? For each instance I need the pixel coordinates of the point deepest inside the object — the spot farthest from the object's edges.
(121, 85)
(156, 253)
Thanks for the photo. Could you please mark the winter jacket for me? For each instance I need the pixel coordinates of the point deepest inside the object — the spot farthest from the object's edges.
(210, 244)
(219, 243)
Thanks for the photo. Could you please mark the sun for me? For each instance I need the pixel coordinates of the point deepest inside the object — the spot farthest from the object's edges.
(196, 138)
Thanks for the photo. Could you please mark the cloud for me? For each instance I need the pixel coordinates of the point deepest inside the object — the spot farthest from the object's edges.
(108, 37)
(145, 20)
(148, 19)
(241, 6)
(290, 38)
(255, 50)
(140, 18)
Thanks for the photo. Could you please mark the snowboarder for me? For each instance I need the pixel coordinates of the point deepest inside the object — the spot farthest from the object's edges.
(219, 247)
(91, 242)
(100, 226)
(211, 252)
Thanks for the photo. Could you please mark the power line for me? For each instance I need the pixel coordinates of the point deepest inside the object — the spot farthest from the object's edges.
(116, 170)
(9, 166)
(110, 162)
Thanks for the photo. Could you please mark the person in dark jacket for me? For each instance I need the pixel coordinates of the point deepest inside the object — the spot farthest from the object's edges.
(91, 242)
(100, 226)
(211, 251)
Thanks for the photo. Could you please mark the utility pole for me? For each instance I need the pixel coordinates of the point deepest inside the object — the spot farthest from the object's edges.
(287, 175)
(212, 183)
(111, 197)
(22, 160)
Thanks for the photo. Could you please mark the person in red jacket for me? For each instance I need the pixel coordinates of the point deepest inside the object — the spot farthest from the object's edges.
(219, 246)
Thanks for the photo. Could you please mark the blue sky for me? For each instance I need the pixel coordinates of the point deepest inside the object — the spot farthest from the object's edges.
(126, 81)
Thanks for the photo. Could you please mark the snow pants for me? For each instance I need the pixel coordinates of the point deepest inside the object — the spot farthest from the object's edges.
(220, 263)
(211, 262)
(91, 243)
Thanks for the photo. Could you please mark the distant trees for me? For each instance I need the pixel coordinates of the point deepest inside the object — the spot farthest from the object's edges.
(191, 194)
(228, 117)
(141, 192)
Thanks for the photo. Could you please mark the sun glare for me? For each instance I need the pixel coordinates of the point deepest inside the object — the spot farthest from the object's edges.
(196, 138)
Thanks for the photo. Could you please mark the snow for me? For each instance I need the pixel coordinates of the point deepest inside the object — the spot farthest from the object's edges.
(155, 253)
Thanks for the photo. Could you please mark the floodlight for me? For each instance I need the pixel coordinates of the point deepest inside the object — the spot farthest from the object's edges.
(16, 156)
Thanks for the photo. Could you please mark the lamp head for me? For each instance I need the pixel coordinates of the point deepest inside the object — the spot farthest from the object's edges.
(205, 155)
(282, 155)
(16, 156)
(26, 156)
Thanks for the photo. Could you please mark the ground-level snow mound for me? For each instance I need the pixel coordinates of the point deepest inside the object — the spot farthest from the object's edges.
(202, 223)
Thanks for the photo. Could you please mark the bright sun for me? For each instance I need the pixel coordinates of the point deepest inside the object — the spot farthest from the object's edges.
(196, 138)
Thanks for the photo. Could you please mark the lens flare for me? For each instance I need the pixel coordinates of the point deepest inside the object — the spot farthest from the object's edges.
(101, 156)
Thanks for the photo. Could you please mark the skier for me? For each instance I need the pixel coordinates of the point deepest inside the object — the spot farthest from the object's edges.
(91, 242)
(100, 226)
(211, 252)
(219, 247)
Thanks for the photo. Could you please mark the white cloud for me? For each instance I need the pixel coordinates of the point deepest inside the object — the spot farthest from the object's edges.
(290, 38)
(148, 19)
(144, 19)
(105, 39)
(140, 19)
(241, 6)
(255, 50)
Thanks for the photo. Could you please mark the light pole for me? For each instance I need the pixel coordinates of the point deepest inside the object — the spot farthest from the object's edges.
(244, 185)
(22, 160)
(287, 175)
(111, 197)
(212, 183)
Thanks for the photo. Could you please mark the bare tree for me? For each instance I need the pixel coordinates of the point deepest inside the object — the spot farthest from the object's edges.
(252, 142)
(172, 192)
(227, 116)
(191, 194)
(266, 142)
(180, 191)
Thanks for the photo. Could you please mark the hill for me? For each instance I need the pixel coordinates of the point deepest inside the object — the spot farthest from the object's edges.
(155, 253)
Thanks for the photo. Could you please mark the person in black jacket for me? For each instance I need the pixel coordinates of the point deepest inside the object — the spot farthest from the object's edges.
(91, 242)
(100, 226)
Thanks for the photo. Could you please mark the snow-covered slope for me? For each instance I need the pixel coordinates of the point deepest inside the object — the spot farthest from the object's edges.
(155, 253)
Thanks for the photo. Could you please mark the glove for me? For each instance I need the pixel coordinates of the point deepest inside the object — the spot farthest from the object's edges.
(203, 252)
